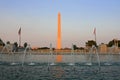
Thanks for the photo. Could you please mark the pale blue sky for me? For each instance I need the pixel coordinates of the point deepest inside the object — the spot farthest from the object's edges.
(38, 20)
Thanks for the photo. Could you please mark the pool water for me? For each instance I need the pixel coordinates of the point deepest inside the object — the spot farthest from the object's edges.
(60, 71)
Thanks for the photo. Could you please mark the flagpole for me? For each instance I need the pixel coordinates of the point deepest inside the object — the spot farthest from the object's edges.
(95, 35)
(19, 33)
(95, 38)
(20, 40)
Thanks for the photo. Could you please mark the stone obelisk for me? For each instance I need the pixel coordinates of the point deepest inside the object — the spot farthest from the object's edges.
(59, 57)
(59, 32)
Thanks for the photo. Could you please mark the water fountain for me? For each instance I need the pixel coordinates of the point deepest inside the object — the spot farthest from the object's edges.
(61, 71)
(108, 63)
(5, 47)
(9, 49)
(1, 54)
(72, 55)
(13, 61)
(52, 56)
(27, 51)
(90, 57)
(93, 50)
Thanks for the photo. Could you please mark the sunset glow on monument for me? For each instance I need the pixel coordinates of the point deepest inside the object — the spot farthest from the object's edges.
(59, 57)
(59, 32)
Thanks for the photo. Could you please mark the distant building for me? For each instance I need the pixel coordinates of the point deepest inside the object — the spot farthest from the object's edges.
(103, 48)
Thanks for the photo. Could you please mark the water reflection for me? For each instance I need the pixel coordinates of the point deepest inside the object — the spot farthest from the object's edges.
(57, 72)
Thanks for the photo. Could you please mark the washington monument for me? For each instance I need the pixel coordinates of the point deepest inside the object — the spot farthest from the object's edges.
(59, 32)
(59, 57)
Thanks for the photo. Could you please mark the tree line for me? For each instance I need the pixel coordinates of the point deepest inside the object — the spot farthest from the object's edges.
(89, 43)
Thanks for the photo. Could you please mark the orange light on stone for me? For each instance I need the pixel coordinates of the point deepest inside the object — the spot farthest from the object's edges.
(59, 32)
(59, 58)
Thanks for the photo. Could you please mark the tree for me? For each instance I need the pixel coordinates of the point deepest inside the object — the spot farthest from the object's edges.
(15, 47)
(91, 43)
(8, 42)
(111, 43)
(25, 44)
(75, 47)
(1, 43)
(16, 44)
(118, 43)
(114, 42)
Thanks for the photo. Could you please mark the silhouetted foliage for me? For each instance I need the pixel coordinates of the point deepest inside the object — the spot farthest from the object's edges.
(25, 45)
(8, 42)
(75, 47)
(15, 47)
(91, 43)
(119, 43)
(16, 44)
(81, 48)
(43, 48)
(113, 42)
(2, 43)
